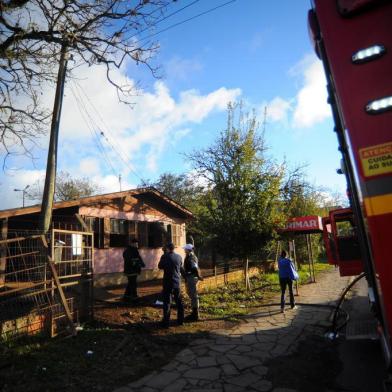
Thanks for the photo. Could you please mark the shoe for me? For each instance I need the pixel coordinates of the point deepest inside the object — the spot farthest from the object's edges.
(294, 307)
(282, 310)
(180, 322)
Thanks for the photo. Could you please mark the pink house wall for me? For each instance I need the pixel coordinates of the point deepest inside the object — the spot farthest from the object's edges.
(110, 260)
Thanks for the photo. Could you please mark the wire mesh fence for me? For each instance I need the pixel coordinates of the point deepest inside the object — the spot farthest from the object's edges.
(45, 289)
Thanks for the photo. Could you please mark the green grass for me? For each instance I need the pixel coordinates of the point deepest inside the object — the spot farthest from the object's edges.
(232, 300)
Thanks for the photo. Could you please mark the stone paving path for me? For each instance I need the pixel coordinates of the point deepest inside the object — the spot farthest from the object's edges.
(234, 359)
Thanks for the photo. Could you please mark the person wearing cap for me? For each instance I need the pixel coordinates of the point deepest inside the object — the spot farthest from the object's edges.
(192, 276)
(171, 264)
(133, 265)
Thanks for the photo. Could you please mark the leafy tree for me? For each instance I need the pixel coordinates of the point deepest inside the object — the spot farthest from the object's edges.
(182, 188)
(243, 187)
(68, 188)
(34, 32)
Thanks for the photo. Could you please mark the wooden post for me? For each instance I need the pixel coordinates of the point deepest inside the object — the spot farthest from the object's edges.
(3, 251)
(247, 281)
(296, 266)
(311, 258)
(59, 287)
(51, 165)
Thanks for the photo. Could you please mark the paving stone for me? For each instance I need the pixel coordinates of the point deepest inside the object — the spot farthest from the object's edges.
(148, 389)
(284, 390)
(262, 386)
(229, 369)
(206, 361)
(222, 348)
(123, 389)
(176, 386)
(260, 370)
(184, 367)
(242, 362)
(142, 381)
(232, 388)
(211, 373)
(173, 365)
(222, 359)
(243, 349)
(244, 380)
(162, 380)
(199, 342)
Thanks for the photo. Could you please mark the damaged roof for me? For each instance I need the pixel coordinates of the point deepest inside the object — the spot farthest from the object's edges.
(85, 201)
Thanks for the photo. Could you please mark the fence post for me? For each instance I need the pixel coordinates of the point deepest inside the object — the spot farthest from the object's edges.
(247, 281)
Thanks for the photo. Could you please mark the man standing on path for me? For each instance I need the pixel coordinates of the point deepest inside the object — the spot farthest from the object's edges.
(287, 274)
(192, 276)
(171, 264)
(133, 265)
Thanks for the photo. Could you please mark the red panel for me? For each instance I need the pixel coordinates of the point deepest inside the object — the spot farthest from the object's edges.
(350, 268)
(304, 224)
(357, 85)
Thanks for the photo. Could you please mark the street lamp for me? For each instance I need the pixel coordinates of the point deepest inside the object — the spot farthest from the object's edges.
(23, 192)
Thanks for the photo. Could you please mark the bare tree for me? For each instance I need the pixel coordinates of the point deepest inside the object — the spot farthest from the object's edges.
(32, 34)
(67, 188)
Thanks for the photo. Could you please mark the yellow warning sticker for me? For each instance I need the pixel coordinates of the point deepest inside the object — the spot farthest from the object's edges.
(376, 160)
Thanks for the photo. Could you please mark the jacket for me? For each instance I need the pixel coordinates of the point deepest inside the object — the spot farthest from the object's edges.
(171, 264)
(133, 263)
(286, 268)
(191, 267)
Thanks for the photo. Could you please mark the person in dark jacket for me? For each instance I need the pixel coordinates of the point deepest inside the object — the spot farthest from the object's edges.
(133, 265)
(192, 276)
(286, 273)
(171, 264)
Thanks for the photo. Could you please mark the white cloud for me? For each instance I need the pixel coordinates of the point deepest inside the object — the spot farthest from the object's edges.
(141, 133)
(277, 109)
(309, 106)
(311, 101)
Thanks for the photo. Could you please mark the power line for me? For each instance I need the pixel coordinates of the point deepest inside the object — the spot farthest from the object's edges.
(85, 115)
(164, 18)
(124, 158)
(187, 20)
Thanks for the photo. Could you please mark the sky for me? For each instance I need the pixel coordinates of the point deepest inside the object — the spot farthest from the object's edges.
(254, 51)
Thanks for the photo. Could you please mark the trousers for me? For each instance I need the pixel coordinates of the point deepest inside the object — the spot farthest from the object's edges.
(191, 288)
(167, 295)
(286, 282)
(131, 289)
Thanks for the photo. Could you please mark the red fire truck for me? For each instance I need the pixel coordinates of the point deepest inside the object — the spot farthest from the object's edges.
(353, 38)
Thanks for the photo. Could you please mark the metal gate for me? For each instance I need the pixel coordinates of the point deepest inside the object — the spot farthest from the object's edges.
(46, 283)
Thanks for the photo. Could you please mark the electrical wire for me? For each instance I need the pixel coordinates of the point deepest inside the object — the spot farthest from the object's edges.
(113, 145)
(85, 115)
(164, 18)
(186, 20)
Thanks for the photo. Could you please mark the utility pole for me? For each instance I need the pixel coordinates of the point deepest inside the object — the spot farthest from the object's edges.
(119, 180)
(51, 166)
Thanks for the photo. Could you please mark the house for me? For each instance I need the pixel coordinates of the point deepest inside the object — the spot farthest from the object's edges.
(115, 219)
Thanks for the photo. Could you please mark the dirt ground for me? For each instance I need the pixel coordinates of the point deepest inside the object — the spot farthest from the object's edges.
(123, 344)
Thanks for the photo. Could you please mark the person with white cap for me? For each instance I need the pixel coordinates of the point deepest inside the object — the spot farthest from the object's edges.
(192, 276)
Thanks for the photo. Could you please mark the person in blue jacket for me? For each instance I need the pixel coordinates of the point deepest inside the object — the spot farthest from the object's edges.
(171, 264)
(287, 274)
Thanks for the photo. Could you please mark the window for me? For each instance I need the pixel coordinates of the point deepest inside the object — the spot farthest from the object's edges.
(96, 226)
(156, 234)
(118, 233)
(142, 229)
(175, 231)
(118, 226)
